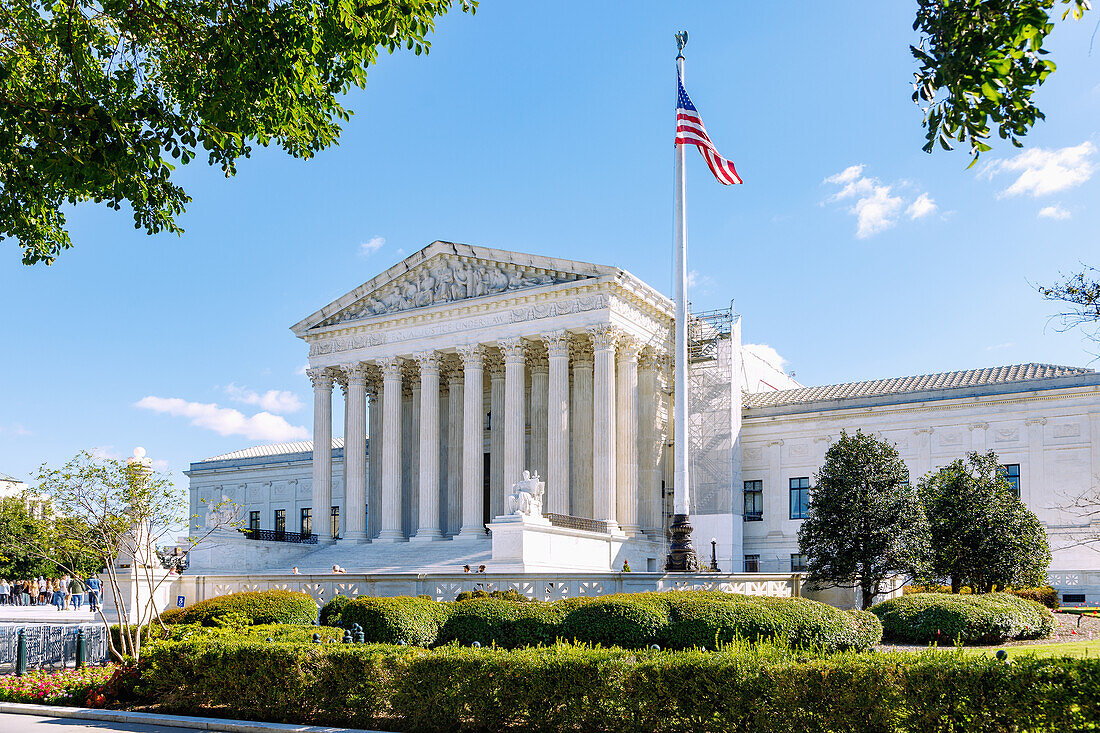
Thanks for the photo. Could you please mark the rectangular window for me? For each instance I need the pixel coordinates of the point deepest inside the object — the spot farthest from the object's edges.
(254, 520)
(798, 563)
(1073, 598)
(1011, 472)
(754, 501)
(800, 497)
(336, 522)
(752, 563)
(280, 520)
(307, 522)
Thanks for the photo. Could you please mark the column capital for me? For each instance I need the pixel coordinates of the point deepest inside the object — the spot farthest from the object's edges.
(580, 344)
(494, 364)
(604, 336)
(648, 358)
(427, 361)
(536, 356)
(472, 356)
(512, 350)
(356, 374)
(391, 368)
(628, 348)
(557, 343)
(321, 378)
(978, 426)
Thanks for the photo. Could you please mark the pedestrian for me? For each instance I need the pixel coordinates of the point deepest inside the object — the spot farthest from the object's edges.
(58, 595)
(41, 590)
(95, 586)
(76, 590)
(5, 592)
(24, 593)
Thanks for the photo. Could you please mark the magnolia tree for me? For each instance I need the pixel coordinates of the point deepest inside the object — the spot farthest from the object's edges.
(982, 534)
(865, 526)
(117, 511)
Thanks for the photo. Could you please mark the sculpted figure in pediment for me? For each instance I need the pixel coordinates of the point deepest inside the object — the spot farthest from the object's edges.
(426, 291)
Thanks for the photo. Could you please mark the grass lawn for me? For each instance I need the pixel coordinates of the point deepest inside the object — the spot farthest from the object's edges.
(1066, 649)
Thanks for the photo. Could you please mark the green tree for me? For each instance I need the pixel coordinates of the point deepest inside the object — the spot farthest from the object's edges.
(865, 524)
(22, 533)
(98, 98)
(982, 534)
(980, 62)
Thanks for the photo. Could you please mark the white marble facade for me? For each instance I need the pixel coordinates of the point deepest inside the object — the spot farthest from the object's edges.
(461, 360)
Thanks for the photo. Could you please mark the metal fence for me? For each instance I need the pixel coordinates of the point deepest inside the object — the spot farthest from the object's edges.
(52, 646)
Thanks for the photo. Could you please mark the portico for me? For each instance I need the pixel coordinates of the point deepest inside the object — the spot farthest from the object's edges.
(471, 360)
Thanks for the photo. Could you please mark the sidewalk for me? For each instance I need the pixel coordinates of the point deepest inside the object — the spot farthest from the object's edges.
(46, 615)
(22, 717)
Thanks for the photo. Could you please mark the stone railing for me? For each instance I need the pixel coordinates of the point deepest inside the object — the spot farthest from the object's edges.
(570, 522)
(445, 586)
(274, 535)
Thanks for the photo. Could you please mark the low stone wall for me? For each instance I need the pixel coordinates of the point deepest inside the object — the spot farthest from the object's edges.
(445, 586)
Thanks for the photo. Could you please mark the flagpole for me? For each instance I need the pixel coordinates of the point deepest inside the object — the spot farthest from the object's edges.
(681, 556)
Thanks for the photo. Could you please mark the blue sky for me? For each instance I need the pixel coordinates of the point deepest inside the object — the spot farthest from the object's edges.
(548, 129)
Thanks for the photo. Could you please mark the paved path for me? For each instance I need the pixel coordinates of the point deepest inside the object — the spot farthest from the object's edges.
(46, 615)
(23, 718)
(39, 724)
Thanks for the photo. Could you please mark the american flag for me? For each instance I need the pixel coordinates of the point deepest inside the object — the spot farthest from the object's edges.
(690, 131)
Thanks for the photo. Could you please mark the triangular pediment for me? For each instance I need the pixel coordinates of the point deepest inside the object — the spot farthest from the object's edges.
(445, 272)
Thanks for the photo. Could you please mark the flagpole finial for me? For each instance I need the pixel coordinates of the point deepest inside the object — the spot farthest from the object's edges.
(681, 41)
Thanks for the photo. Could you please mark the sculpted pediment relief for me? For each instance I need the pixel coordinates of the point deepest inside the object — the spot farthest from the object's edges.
(447, 280)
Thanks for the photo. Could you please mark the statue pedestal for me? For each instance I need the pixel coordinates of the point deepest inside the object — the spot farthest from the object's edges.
(526, 543)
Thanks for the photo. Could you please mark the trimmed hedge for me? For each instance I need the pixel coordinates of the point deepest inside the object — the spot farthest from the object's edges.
(676, 620)
(331, 611)
(947, 618)
(1042, 594)
(573, 688)
(255, 607)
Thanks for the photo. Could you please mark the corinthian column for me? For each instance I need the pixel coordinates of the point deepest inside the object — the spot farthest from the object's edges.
(373, 506)
(581, 499)
(473, 486)
(649, 481)
(391, 451)
(355, 454)
(603, 423)
(495, 364)
(429, 448)
(557, 419)
(626, 436)
(454, 448)
(514, 417)
(540, 396)
(322, 452)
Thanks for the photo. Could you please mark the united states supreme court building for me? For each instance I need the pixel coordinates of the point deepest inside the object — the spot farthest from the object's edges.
(462, 367)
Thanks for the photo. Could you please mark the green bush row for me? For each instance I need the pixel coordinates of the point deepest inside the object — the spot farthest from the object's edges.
(677, 620)
(1043, 594)
(948, 618)
(580, 688)
(252, 607)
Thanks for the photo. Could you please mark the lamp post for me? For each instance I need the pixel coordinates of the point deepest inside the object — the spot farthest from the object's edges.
(713, 555)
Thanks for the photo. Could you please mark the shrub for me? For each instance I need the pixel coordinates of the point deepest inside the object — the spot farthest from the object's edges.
(507, 623)
(944, 618)
(629, 620)
(712, 619)
(257, 607)
(579, 688)
(509, 595)
(330, 612)
(1044, 595)
(282, 633)
(399, 620)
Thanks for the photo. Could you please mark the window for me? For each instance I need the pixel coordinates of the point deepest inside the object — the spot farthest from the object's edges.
(254, 520)
(336, 522)
(754, 501)
(1011, 472)
(1073, 598)
(800, 497)
(280, 520)
(307, 522)
(752, 563)
(798, 563)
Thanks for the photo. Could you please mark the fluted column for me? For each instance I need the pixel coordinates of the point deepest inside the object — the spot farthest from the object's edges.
(649, 481)
(581, 489)
(391, 451)
(473, 498)
(603, 422)
(557, 419)
(514, 417)
(341, 379)
(540, 397)
(429, 448)
(373, 508)
(626, 436)
(496, 435)
(355, 454)
(454, 449)
(322, 452)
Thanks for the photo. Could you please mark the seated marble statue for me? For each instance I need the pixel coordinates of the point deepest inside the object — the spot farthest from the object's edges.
(526, 496)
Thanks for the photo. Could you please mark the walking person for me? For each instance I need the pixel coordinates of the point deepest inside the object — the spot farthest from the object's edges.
(58, 595)
(65, 580)
(95, 587)
(42, 591)
(76, 590)
(21, 592)
(5, 591)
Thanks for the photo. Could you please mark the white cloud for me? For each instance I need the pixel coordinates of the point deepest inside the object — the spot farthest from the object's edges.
(372, 245)
(877, 205)
(301, 371)
(273, 400)
(766, 354)
(996, 347)
(105, 452)
(693, 278)
(14, 429)
(225, 420)
(1042, 172)
(1054, 212)
(922, 207)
